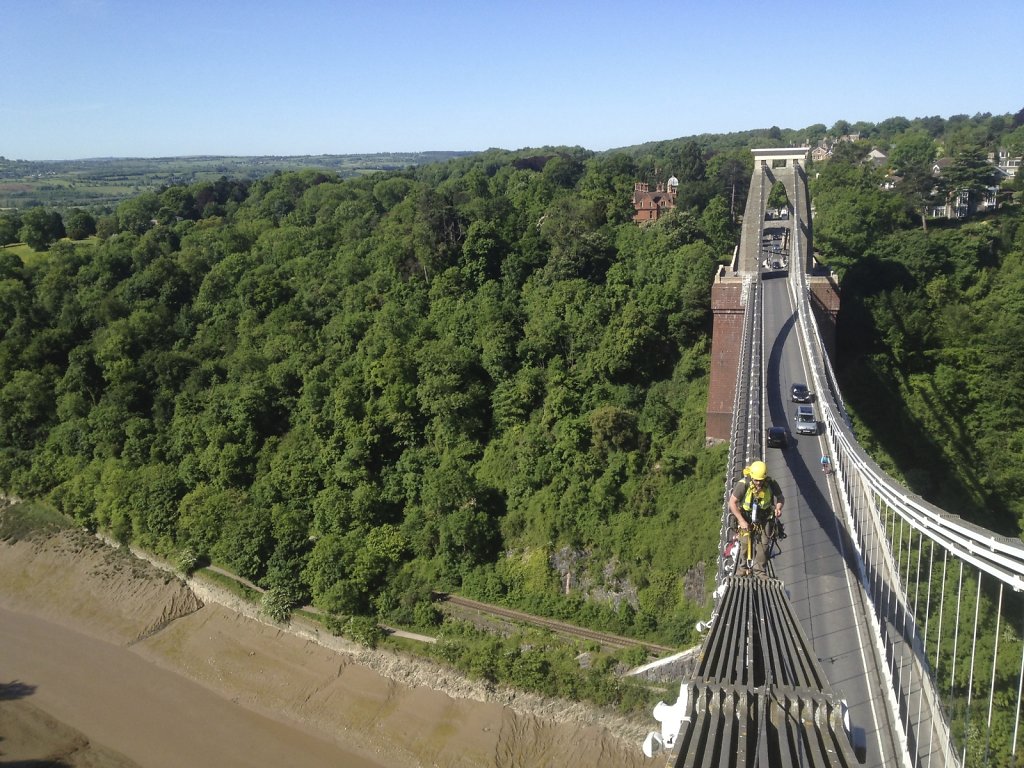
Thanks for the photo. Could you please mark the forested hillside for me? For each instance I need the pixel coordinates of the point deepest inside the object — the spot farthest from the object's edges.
(932, 316)
(106, 181)
(475, 376)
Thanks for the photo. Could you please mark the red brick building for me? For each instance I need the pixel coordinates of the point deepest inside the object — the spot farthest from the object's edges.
(650, 205)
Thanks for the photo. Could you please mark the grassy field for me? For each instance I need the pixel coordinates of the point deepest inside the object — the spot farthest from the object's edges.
(100, 183)
(24, 252)
(29, 256)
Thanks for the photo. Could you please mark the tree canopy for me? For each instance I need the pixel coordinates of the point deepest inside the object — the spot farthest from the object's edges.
(357, 391)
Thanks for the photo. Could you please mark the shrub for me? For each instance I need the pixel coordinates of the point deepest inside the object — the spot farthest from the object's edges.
(277, 604)
(187, 561)
(363, 630)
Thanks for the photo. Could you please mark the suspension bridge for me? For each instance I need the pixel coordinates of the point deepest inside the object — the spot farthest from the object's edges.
(889, 633)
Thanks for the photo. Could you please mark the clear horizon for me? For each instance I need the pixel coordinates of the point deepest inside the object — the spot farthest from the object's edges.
(90, 79)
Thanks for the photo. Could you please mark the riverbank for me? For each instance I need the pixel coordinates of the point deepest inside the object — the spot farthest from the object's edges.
(240, 686)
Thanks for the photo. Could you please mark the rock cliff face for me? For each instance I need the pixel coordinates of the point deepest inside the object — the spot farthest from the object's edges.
(397, 710)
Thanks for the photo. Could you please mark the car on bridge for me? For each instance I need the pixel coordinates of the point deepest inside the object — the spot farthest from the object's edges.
(806, 421)
(799, 393)
(777, 437)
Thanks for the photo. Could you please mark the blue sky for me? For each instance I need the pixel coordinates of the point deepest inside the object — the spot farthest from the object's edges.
(140, 78)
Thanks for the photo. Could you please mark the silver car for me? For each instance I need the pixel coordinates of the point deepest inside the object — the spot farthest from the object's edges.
(806, 421)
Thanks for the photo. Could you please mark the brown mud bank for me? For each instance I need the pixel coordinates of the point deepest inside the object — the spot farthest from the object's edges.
(110, 662)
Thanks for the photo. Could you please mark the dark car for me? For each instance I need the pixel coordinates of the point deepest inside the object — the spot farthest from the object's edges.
(777, 437)
(800, 393)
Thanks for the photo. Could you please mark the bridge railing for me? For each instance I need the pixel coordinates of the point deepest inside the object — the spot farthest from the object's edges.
(946, 595)
(747, 439)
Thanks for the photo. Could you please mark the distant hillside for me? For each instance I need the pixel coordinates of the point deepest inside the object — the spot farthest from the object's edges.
(103, 182)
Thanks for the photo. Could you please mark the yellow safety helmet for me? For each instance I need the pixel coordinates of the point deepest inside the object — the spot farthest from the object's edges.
(758, 470)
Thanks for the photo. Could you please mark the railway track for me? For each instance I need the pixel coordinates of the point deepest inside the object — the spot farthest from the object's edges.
(562, 628)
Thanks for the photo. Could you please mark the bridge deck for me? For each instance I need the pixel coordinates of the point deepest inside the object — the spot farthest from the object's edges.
(759, 696)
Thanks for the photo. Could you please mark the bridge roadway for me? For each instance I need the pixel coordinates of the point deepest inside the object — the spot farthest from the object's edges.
(741, 707)
(818, 563)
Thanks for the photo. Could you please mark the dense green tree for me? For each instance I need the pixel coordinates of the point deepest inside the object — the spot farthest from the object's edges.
(852, 209)
(325, 567)
(201, 515)
(26, 408)
(113, 497)
(610, 180)
(290, 535)
(15, 298)
(562, 171)
(79, 224)
(970, 172)
(840, 128)
(719, 227)
(390, 191)
(483, 251)
(730, 173)
(107, 226)
(933, 125)
(214, 198)
(40, 228)
(777, 197)
(892, 127)
(10, 227)
(137, 214)
(1013, 142)
(177, 202)
(579, 247)
(246, 541)
(964, 135)
(154, 505)
(912, 159)
(688, 163)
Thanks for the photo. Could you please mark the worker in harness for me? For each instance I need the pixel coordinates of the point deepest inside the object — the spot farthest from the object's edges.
(756, 504)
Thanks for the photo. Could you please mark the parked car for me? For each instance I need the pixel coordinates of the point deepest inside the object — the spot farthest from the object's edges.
(777, 437)
(800, 393)
(806, 421)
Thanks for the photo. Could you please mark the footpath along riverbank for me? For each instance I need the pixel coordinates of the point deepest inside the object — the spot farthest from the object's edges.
(110, 663)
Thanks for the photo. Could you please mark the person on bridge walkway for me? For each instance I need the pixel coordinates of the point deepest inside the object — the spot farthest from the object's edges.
(752, 503)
